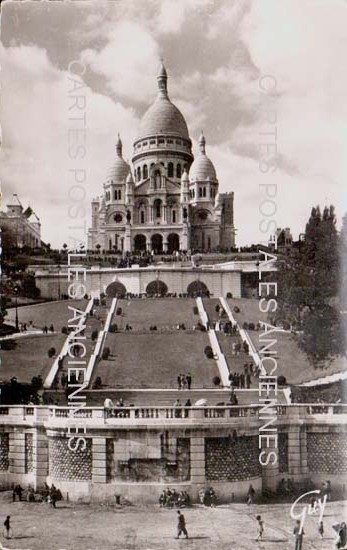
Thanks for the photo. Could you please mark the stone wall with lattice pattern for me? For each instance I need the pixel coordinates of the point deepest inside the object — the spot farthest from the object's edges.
(29, 453)
(69, 465)
(4, 449)
(327, 453)
(229, 459)
(283, 452)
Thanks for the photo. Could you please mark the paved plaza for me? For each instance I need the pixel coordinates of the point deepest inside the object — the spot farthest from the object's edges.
(102, 527)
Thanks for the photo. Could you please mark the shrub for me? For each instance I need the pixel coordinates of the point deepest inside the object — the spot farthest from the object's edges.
(195, 310)
(51, 352)
(286, 325)
(217, 308)
(216, 381)
(94, 335)
(96, 301)
(236, 309)
(64, 330)
(113, 328)
(106, 353)
(207, 349)
(245, 326)
(209, 354)
(102, 295)
(245, 347)
(119, 311)
(103, 302)
(98, 383)
(229, 295)
(251, 326)
(8, 345)
(281, 381)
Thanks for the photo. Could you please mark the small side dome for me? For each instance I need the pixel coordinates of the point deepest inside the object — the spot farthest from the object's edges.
(202, 168)
(129, 178)
(119, 169)
(185, 177)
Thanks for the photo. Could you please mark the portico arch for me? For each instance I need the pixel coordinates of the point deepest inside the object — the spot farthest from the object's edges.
(197, 288)
(116, 290)
(157, 287)
(157, 243)
(173, 242)
(140, 243)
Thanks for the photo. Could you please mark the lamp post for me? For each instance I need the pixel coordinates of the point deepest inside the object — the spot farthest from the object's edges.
(16, 295)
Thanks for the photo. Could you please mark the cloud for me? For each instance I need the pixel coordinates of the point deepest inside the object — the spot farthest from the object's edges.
(35, 120)
(129, 61)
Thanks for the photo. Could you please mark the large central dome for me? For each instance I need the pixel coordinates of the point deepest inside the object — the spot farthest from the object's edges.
(163, 117)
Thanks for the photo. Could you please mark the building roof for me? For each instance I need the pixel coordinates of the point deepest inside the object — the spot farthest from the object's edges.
(202, 167)
(163, 117)
(119, 169)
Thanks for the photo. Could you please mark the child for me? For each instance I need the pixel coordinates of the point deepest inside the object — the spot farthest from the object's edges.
(260, 526)
(321, 529)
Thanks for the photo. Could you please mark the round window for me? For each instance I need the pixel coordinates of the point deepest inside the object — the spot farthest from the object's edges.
(118, 218)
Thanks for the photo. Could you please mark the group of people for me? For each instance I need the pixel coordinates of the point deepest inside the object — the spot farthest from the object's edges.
(171, 498)
(184, 381)
(241, 380)
(181, 409)
(208, 497)
(47, 494)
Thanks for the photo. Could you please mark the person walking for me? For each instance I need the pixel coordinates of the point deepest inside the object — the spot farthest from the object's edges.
(189, 380)
(260, 527)
(181, 525)
(250, 495)
(7, 525)
(299, 535)
(321, 529)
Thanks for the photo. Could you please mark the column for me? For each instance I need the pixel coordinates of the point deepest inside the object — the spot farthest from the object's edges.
(40, 458)
(197, 462)
(99, 460)
(165, 246)
(294, 451)
(270, 471)
(17, 453)
(303, 450)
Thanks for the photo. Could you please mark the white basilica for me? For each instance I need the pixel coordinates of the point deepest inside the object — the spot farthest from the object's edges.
(167, 200)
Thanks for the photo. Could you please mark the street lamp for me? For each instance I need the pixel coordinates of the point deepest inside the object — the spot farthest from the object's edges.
(16, 295)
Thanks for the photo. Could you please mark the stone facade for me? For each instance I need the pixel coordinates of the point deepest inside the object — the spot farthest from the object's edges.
(167, 201)
(137, 456)
(23, 226)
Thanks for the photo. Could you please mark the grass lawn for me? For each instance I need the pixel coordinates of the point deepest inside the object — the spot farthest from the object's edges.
(98, 527)
(56, 313)
(140, 314)
(292, 361)
(154, 360)
(30, 357)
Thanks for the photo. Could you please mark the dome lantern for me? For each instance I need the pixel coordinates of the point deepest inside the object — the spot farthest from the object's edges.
(162, 81)
(119, 146)
(202, 143)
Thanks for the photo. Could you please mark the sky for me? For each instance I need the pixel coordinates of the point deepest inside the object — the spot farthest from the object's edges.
(264, 79)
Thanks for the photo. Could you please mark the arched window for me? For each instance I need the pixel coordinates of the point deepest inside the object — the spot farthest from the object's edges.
(115, 194)
(178, 171)
(119, 195)
(204, 192)
(174, 216)
(170, 170)
(142, 216)
(200, 192)
(138, 174)
(211, 192)
(145, 172)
